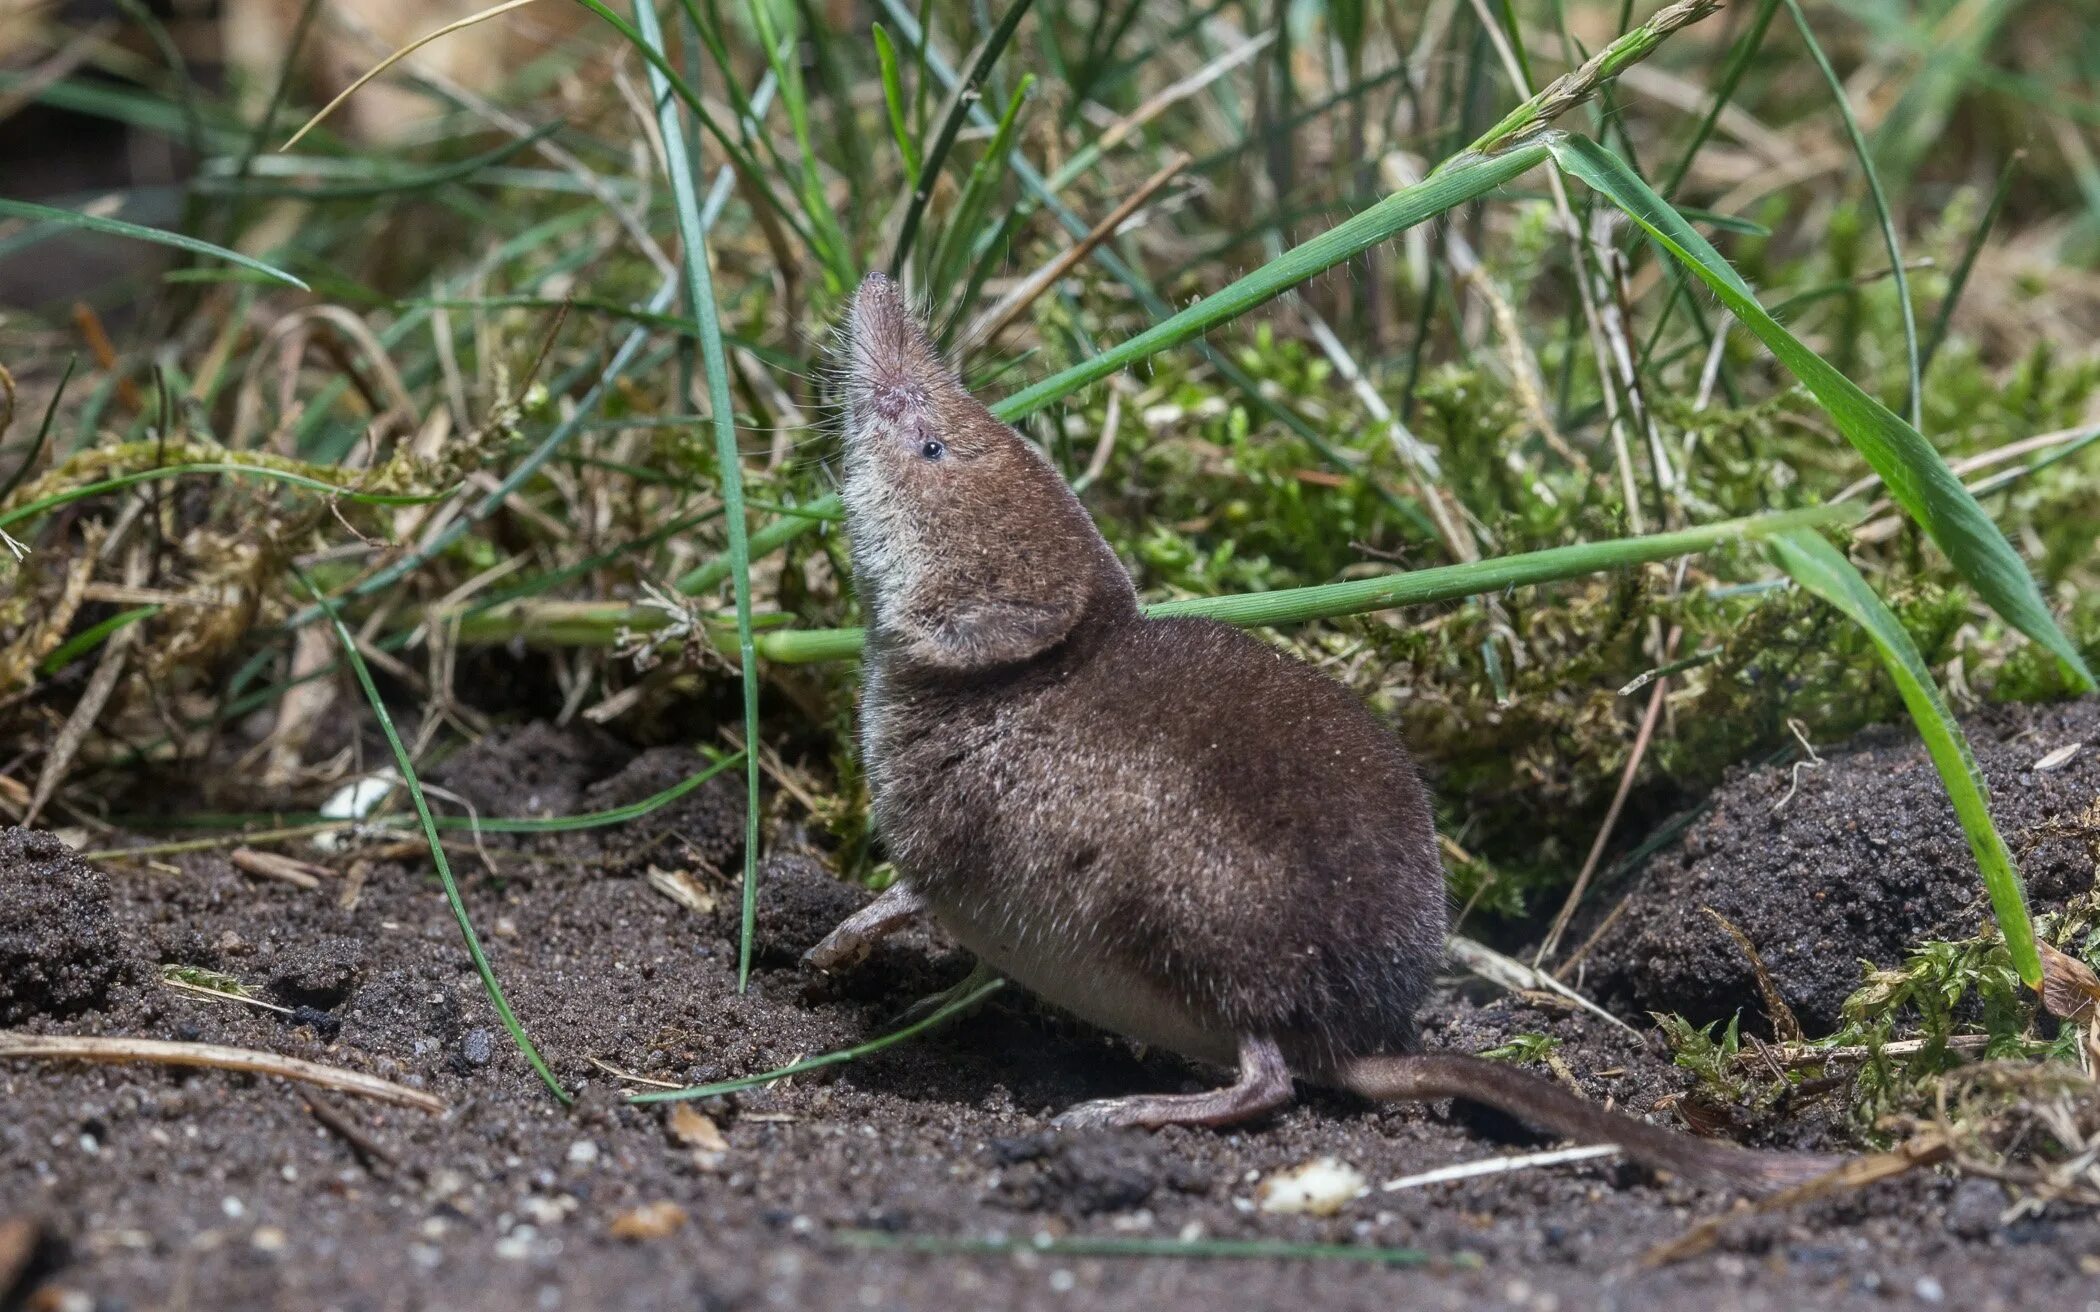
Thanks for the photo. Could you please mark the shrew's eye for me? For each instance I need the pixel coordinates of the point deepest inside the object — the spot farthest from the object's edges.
(933, 450)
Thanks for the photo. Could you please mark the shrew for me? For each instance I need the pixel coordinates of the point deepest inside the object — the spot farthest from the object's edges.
(1162, 825)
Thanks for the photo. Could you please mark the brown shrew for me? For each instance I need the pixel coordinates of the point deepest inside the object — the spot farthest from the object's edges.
(1164, 826)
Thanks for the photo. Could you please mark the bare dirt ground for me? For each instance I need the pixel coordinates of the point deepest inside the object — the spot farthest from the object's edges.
(141, 1187)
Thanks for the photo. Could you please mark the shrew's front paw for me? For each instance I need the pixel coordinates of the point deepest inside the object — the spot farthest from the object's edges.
(855, 938)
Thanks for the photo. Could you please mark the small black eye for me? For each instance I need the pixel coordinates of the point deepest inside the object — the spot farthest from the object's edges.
(933, 450)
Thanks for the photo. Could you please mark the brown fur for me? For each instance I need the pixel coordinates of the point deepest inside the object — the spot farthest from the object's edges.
(1166, 826)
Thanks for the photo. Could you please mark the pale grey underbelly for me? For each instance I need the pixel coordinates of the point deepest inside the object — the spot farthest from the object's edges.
(1094, 987)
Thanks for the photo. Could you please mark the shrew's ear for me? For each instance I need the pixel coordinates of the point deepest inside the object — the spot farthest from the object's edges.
(975, 635)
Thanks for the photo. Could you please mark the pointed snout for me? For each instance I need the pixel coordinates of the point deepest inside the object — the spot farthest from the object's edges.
(891, 362)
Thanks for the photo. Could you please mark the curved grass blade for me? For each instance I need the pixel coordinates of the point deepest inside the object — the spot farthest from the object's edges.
(700, 297)
(430, 835)
(300, 826)
(37, 507)
(1913, 397)
(977, 191)
(1823, 570)
(834, 253)
(1916, 476)
(1738, 64)
(943, 1015)
(85, 641)
(618, 815)
(59, 218)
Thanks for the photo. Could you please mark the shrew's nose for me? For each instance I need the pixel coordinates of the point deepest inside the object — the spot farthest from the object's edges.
(893, 363)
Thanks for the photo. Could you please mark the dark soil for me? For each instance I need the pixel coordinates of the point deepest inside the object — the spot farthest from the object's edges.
(1859, 858)
(158, 1188)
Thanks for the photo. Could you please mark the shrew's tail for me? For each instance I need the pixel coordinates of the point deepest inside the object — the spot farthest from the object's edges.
(1426, 1076)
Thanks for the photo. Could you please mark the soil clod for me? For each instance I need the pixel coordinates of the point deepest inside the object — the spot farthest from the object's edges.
(1863, 862)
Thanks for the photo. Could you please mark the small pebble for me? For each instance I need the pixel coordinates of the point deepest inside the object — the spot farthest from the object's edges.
(478, 1047)
(1974, 1210)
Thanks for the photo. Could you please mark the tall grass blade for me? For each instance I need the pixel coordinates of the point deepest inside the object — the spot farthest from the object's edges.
(527, 469)
(961, 100)
(700, 295)
(1916, 476)
(831, 248)
(1959, 279)
(1823, 570)
(1914, 391)
(430, 835)
(60, 218)
(893, 100)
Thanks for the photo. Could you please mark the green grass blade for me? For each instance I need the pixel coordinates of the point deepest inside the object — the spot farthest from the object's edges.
(961, 100)
(58, 218)
(1913, 397)
(1297, 605)
(653, 55)
(1443, 191)
(85, 641)
(299, 824)
(942, 1016)
(1960, 277)
(831, 247)
(977, 192)
(37, 507)
(1823, 570)
(893, 100)
(700, 296)
(618, 815)
(390, 185)
(437, 846)
(43, 433)
(1916, 476)
(1738, 64)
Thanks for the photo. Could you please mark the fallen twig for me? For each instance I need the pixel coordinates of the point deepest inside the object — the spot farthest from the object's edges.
(369, 1151)
(284, 869)
(1855, 1173)
(166, 1053)
(1500, 1166)
(1514, 975)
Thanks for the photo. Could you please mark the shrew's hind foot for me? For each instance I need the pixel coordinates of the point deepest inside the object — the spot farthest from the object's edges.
(1264, 1086)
